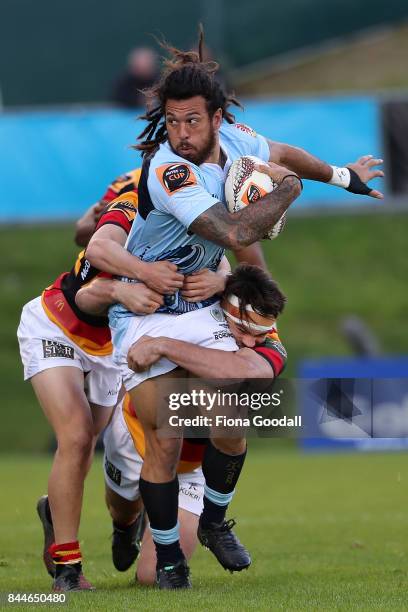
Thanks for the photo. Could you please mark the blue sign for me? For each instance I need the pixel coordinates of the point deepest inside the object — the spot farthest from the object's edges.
(58, 163)
(354, 403)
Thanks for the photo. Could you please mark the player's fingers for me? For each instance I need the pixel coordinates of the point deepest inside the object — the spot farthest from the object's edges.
(263, 168)
(364, 159)
(175, 285)
(193, 292)
(144, 308)
(374, 174)
(192, 281)
(155, 296)
(151, 303)
(374, 162)
(176, 279)
(153, 306)
(172, 267)
(376, 194)
(200, 272)
(195, 298)
(196, 287)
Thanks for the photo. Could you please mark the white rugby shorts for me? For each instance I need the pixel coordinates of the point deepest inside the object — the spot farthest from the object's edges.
(206, 327)
(44, 345)
(122, 466)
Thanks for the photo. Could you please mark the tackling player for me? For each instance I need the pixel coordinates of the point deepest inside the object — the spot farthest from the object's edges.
(66, 355)
(260, 354)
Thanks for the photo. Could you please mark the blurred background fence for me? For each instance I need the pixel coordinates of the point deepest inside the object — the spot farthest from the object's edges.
(56, 53)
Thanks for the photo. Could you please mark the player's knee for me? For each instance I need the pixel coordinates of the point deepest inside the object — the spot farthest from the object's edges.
(165, 453)
(78, 444)
(169, 455)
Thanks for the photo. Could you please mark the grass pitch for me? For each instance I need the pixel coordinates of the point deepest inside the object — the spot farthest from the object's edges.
(326, 532)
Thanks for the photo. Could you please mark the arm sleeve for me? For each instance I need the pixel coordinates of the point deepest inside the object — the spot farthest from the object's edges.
(274, 352)
(122, 212)
(177, 189)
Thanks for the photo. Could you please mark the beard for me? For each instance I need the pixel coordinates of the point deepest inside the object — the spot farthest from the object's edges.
(196, 155)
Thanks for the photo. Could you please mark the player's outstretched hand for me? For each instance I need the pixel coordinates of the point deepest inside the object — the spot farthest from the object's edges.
(365, 170)
(202, 285)
(162, 276)
(143, 353)
(138, 298)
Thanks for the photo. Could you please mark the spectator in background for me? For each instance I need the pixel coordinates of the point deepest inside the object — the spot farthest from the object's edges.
(142, 73)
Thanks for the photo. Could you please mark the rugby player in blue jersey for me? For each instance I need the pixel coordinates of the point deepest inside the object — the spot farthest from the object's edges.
(188, 146)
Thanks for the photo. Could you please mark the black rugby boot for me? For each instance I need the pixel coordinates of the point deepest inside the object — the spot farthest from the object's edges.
(126, 543)
(224, 544)
(175, 576)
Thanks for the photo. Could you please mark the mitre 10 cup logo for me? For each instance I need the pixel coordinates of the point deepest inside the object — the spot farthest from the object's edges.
(175, 176)
(253, 194)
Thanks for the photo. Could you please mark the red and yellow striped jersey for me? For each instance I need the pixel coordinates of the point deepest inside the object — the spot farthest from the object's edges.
(91, 332)
(273, 351)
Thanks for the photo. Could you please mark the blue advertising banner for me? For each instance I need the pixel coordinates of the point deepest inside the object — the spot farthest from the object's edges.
(359, 404)
(55, 164)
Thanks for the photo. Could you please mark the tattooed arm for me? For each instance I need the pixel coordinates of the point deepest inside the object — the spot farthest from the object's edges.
(240, 229)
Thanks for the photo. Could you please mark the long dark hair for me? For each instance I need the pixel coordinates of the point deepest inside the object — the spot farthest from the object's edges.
(185, 75)
(256, 288)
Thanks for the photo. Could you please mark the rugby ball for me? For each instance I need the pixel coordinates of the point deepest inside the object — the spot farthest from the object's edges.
(245, 185)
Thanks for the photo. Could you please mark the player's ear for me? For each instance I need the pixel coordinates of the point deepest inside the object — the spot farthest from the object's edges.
(217, 119)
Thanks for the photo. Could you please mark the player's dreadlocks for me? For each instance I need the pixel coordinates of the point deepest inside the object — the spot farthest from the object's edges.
(185, 75)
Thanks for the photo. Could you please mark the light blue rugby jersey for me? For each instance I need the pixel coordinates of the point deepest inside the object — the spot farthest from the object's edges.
(173, 192)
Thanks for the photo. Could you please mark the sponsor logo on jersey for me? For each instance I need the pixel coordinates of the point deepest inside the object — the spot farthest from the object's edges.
(217, 314)
(51, 348)
(219, 335)
(245, 128)
(175, 176)
(127, 205)
(85, 269)
(113, 472)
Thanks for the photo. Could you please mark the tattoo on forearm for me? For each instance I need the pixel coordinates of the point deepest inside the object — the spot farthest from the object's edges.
(249, 224)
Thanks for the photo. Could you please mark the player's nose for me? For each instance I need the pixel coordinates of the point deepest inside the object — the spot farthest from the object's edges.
(183, 131)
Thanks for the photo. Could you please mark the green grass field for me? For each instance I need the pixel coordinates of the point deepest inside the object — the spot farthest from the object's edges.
(326, 532)
(329, 267)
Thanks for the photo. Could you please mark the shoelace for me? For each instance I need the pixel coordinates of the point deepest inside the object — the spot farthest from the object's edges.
(228, 539)
(228, 525)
